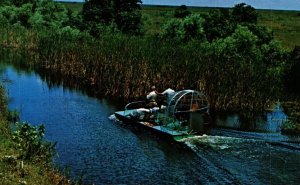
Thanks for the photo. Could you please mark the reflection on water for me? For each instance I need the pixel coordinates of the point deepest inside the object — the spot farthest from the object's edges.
(96, 148)
(269, 122)
(101, 151)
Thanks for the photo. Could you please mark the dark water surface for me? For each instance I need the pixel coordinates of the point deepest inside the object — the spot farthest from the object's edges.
(100, 150)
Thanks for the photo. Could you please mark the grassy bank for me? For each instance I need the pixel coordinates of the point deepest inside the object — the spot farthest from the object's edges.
(17, 170)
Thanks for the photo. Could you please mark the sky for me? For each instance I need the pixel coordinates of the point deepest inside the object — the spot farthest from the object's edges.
(258, 4)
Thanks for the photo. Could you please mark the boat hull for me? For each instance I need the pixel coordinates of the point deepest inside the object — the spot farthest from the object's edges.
(159, 130)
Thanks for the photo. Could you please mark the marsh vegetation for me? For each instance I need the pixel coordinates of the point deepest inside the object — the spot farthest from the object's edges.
(227, 53)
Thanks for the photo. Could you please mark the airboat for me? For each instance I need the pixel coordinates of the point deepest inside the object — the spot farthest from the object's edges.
(183, 114)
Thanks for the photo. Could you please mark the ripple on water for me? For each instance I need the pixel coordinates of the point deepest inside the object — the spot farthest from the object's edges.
(250, 161)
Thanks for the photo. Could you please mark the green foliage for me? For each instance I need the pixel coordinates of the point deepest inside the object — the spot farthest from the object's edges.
(95, 11)
(244, 41)
(8, 14)
(264, 34)
(123, 13)
(3, 102)
(31, 143)
(5, 2)
(241, 67)
(19, 3)
(38, 15)
(189, 28)
(291, 128)
(70, 33)
(171, 29)
(74, 20)
(53, 15)
(181, 12)
(129, 22)
(218, 24)
(37, 20)
(14, 170)
(243, 13)
(4, 126)
(192, 28)
(23, 14)
(292, 75)
(237, 70)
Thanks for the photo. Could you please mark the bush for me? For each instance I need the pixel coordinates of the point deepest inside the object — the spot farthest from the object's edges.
(218, 24)
(292, 76)
(19, 3)
(189, 28)
(243, 13)
(8, 14)
(124, 13)
(130, 22)
(30, 141)
(181, 12)
(241, 76)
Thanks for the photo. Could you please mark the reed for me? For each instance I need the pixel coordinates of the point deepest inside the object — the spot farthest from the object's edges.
(125, 67)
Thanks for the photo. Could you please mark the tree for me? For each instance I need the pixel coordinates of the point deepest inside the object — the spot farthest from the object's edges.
(124, 13)
(170, 29)
(189, 28)
(97, 11)
(19, 3)
(218, 24)
(264, 34)
(126, 5)
(49, 14)
(243, 13)
(292, 75)
(127, 16)
(181, 12)
(5, 2)
(129, 22)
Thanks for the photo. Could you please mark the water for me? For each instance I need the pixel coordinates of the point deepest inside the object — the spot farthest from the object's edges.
(98, 149)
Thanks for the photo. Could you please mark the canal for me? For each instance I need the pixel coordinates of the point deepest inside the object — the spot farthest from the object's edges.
(97, 149)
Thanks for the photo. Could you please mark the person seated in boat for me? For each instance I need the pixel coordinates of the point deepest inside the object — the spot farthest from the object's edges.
(146, 114)
(151, 98)
(139, 114)
(168, 93)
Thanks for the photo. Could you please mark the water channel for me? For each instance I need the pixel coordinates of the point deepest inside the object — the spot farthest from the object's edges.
(99, 150)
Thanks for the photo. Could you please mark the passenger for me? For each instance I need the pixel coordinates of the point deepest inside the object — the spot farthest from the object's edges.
(151, 97)
(168, 93)
(145, 114)
(139, 114)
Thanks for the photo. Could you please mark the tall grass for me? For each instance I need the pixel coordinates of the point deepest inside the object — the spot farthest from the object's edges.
(125, 67)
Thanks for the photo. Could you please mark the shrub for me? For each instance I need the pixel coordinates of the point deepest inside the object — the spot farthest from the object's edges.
(124, 13)
(189, 28)
(243, 13)
(182, 12)
(30, 141)
(218, 24)
(292, 75)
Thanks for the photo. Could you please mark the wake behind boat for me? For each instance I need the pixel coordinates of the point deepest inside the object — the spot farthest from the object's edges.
(184, 114)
